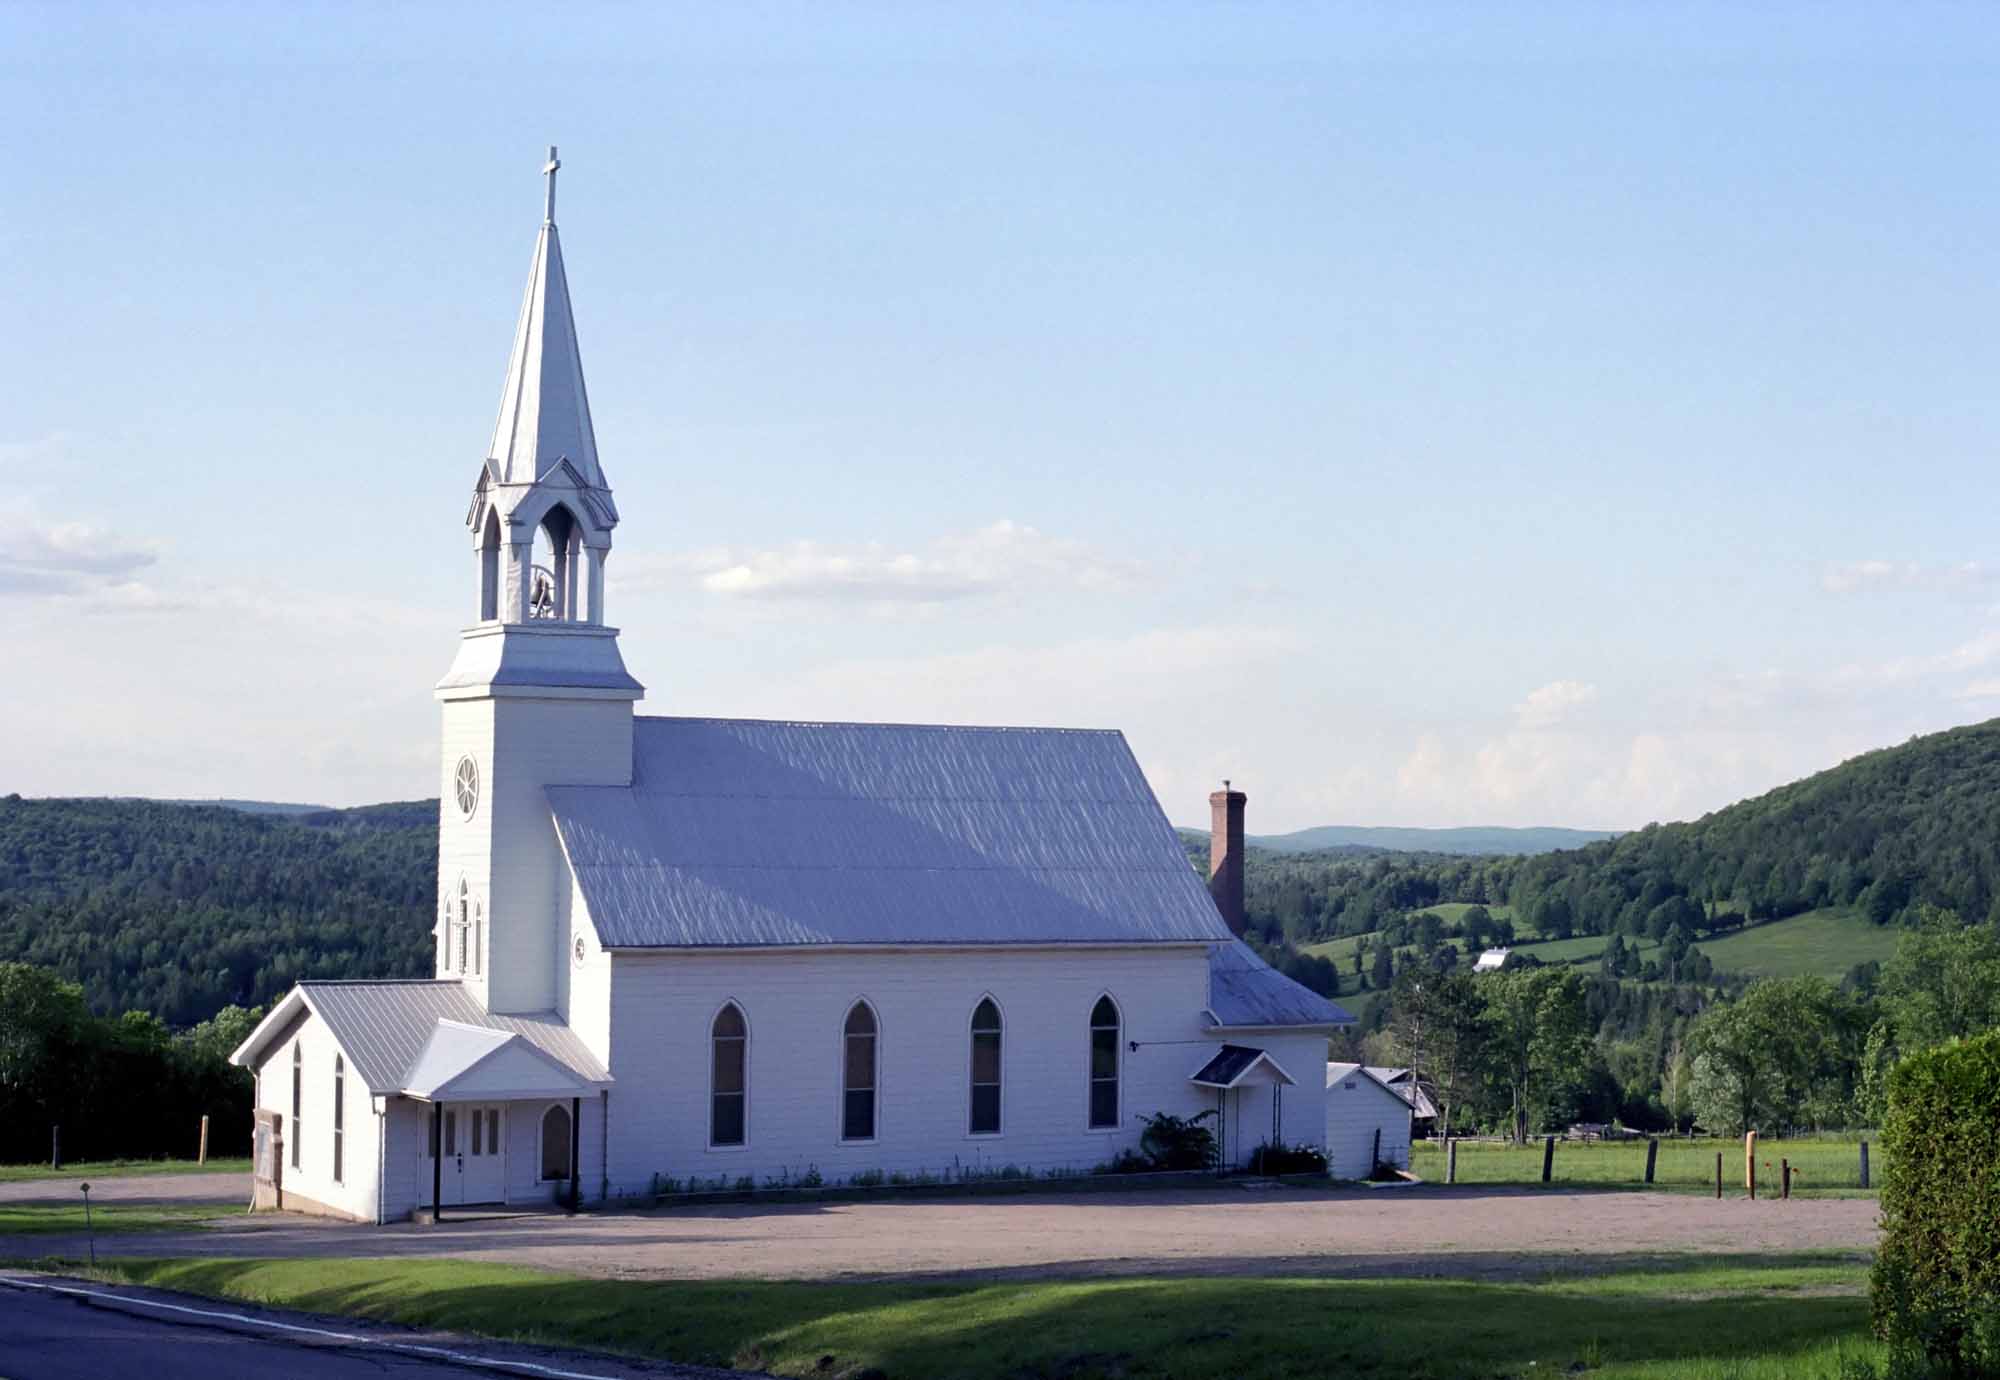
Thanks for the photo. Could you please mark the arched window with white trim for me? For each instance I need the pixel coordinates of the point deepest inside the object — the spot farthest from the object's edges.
(1104, 1064)
(555, 1143)
(986, 1031)
(858, 1070)
(464, 921)
(729, 1077)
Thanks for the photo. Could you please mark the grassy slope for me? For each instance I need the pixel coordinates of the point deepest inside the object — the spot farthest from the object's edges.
(1745, 1317)
(1826, 942)
(92, 1170)
(45, 1219)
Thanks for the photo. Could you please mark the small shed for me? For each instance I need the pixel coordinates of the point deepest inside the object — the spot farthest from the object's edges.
(1362, 1114)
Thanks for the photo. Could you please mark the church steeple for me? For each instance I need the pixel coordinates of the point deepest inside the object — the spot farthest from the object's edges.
(544, 410)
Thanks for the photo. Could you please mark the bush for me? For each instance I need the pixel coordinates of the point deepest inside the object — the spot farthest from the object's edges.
(1936, 1287)
(1270, 1158)
(1178, 1142)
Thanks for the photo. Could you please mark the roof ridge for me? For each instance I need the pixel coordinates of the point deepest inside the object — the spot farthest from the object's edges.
(381, 982)
(875, 723)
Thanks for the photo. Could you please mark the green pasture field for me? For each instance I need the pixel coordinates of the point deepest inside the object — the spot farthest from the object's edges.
(90, 1170)
(1694, 1318)
(1454, 911)
(1825, 942)
(1818, 1165)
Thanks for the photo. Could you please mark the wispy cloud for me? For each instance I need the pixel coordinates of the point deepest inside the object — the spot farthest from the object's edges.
(1000, 558)
(1876, 577)
(40, 557)
(1550, 704)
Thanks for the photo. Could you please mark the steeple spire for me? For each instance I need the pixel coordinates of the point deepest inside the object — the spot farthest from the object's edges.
(544, 411)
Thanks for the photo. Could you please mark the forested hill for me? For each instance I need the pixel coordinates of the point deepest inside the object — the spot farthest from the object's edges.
(182, 909)
(1883, 832)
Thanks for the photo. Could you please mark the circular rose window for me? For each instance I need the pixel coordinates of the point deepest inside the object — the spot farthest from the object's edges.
(577, 948)
(465, 785)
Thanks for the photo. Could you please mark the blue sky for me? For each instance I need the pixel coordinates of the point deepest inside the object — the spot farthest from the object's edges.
(1420, 414)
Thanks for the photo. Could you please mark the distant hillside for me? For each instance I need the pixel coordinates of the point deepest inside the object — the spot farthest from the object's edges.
(1472, 842)
(183, 909)
(254, 807)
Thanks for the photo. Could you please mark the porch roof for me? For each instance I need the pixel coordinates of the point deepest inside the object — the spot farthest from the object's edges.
(1235, 1066)
(465, 1062)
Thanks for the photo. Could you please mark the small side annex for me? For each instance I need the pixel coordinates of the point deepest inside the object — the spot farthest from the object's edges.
(381, 1098)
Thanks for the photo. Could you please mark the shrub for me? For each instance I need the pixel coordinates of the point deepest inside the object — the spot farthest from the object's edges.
(869, 1178)
(1178, 1142)
(1936, 1286)
(1272, 1158)
(1126, 1162)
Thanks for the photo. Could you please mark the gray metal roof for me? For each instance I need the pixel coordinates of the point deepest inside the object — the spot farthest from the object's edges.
(1245, 991)
(755, 833)
(1234, 1063)
(384, 1026)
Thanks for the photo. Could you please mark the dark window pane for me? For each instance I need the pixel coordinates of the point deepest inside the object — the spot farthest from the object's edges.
(728, 1126)
(450, 1132)
(555, 1144)
(986, 1016)
(985, 1110)
(986, 1058)
(478, 1134)
(336, 1157)
(858, 1119)
(860, 1062)
(493, 1130)
(1104, 1013)
(729, 1066)
(1103, 1054)
(860, 1021)
(1104, 1103)
(728, 1023)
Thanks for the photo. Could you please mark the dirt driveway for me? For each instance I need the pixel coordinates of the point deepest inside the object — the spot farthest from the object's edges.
(1230, 1230)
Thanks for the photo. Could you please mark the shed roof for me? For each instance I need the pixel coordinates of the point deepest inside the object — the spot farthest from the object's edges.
(1340, 1073)
(1245, 992)
(384, 1027)
(753, 833)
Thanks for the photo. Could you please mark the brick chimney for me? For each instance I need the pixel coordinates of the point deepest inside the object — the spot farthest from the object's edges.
(1225, 855)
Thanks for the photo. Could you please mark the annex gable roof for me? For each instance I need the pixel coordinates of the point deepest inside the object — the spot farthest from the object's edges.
(1236, 1066)
(1246, 993)
(384, 1026)
(753, 833)
(462, 1061)
(1338, 1074)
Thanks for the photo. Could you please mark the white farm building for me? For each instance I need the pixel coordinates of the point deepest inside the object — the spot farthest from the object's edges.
(1367, 1122)
(717, 949)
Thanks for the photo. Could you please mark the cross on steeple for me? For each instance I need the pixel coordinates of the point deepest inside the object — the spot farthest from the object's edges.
(549, 171)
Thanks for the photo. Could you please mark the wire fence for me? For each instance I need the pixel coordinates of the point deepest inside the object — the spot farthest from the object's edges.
(1816, 1163)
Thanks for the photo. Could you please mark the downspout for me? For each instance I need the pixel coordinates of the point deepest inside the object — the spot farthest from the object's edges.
(381, 1160)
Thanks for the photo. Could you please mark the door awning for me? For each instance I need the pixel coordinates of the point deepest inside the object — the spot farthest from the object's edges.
(468, 1062)
(1238, 1066)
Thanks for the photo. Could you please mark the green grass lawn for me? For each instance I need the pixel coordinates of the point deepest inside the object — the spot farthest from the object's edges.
(1818, 1165)
(1451, 912)
(92, 1170)
(46, 1219)
(1741, 1317)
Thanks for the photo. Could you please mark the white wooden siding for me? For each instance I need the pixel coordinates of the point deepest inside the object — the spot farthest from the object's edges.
(1356, 1107)
(353, 1195)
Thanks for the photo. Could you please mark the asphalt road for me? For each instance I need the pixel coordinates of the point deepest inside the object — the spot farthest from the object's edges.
(48, 1335)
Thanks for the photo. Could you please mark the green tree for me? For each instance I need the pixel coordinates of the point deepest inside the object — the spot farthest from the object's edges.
(1783, 1055)
(1539, 1035)
(1383, 971)
(1440, 1029)
(1943, 983)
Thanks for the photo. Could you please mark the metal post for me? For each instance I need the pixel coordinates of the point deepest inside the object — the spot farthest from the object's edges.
(575, 1152)
(1652, 1157)
(1864, 1164)
(1718, 1175)
(437, 1163)
(90, 1227)
(1548, 1158)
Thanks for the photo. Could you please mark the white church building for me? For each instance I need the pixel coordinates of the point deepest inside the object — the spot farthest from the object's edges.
(707, 950)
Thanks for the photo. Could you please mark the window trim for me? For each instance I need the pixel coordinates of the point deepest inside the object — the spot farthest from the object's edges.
(542, 1144)
(339, 1117)
(743, 1145)
(971, 1064)
(874, 1092)
(1117, 1123)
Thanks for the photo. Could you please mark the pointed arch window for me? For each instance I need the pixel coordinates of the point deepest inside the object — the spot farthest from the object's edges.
(339, 1115)
(555, 1143)
(298, 1096)
(858, 1070)
(1104, 1064)
(729, 1085)
(464, 921)
(986, 1031)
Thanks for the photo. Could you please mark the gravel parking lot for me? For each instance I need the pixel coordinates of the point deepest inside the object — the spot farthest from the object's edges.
(1493, 1232)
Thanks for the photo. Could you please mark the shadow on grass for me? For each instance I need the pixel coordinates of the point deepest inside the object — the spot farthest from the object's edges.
(1699, 1314)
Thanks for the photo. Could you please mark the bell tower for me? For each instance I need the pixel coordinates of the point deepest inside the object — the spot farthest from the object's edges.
(538, 694)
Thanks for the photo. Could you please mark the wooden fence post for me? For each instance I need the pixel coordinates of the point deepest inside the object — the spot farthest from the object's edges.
(1548, 1157)
(1750, 1160)
(1652, 1156)
(1864, 1164)
(1751, 1174)
(201, 1156)
(1718, 1175)
(55, 1153)
(1784, 1178)
(1451, 1161)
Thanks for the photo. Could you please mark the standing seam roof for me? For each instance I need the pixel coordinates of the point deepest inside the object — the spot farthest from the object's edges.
(384, 1026)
